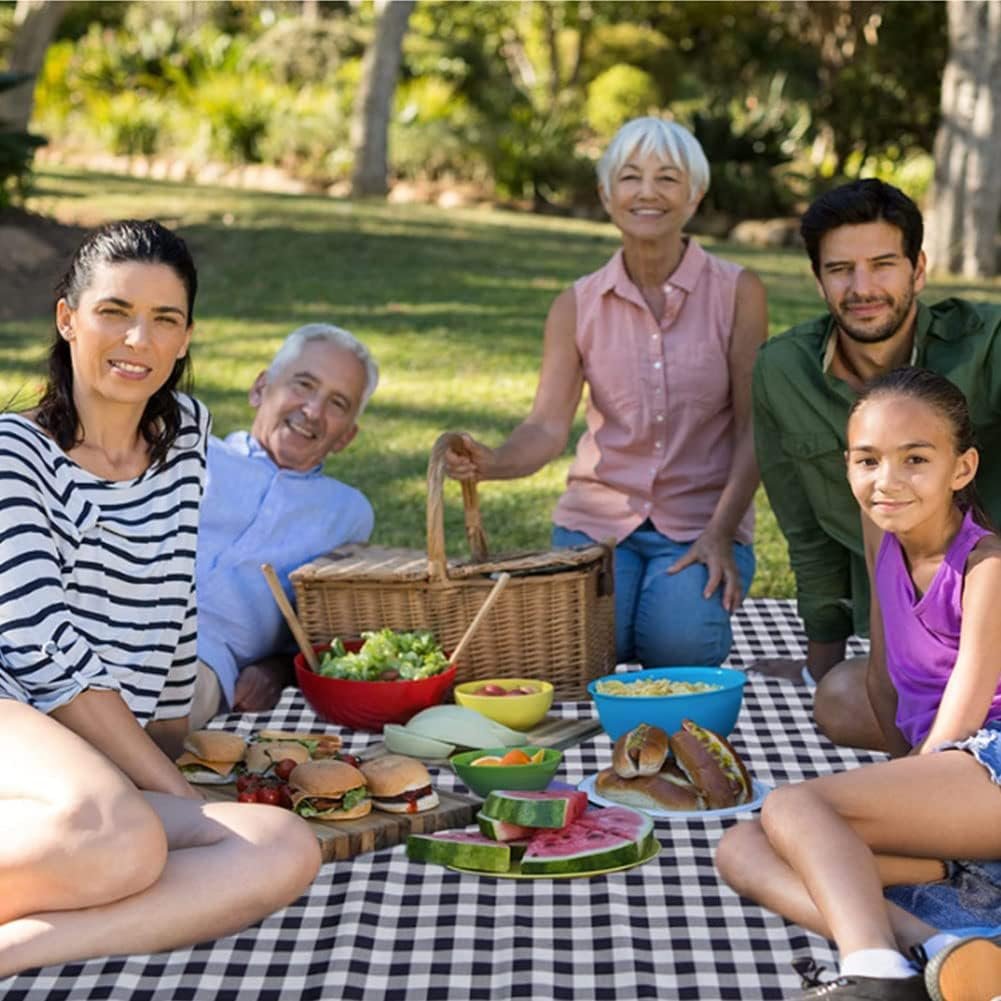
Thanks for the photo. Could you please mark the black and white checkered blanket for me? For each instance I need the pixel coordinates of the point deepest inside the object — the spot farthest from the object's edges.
(378, 927)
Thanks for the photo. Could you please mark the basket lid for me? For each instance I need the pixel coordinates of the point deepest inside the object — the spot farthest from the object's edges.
(359, 561)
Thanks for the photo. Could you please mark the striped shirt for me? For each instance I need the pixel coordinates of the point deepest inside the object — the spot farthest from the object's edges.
(97, 577)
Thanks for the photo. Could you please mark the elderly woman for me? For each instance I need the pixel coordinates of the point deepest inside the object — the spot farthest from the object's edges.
(103, 845)
(665, 337)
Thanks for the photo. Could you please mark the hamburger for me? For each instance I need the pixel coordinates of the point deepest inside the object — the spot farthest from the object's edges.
(319, 745)
(328, 790)
(262, 757)
(398, 784)
(211, 757)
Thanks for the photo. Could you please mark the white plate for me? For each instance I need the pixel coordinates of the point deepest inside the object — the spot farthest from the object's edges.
(758, 790)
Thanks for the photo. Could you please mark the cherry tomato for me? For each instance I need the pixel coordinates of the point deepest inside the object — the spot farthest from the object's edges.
(247, 797)
(284, 768)
(269, 795)
(285, 797)
(349, 759)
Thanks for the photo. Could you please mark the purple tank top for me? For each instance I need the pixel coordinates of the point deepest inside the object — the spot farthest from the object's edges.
(922, 634)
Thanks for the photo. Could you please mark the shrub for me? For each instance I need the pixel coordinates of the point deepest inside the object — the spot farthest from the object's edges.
(620, 93)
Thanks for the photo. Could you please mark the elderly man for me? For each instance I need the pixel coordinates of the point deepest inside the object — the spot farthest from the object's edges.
(864, 242)
(268, 501)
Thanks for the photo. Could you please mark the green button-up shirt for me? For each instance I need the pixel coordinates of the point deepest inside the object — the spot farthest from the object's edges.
(800, 413)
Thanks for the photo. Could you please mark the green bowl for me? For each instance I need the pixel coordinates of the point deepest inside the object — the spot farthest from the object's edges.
(484, 779)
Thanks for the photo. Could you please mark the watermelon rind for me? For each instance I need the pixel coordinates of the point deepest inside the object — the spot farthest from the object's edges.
(502, 830)
(465, 851)
(536, 809)
(611, 852)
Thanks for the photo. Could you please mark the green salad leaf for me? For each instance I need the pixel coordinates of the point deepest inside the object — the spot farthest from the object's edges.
(385, 656)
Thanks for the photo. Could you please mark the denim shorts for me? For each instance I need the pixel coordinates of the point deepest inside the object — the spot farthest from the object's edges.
(970, 895)
(985, 746)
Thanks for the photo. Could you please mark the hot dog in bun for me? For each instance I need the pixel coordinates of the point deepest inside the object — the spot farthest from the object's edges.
(211, 756)
(712, 765)
(641, 751)
(664, 791)
(329, 790)
(398, 784)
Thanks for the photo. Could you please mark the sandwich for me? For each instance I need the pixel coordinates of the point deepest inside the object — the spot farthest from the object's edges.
(212, 757)
(398, 784)
(319, 745)
(262, 757)
(328, 790)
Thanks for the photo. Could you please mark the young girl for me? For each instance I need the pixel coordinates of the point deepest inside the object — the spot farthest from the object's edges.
(824, 849)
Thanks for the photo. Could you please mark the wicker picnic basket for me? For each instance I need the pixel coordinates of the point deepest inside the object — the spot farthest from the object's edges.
(554, 620)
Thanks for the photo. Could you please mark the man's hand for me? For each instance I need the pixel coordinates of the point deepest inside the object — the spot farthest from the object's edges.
(717, 554)
(259, 686)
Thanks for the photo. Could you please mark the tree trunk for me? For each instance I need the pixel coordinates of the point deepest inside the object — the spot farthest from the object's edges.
(373, 104)
(35, 22)
(966, 207)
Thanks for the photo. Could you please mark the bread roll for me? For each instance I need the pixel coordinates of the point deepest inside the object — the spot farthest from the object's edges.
(641, 751)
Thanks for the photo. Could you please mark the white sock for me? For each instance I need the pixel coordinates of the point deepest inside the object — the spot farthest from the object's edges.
(938, 942)
(886, 963)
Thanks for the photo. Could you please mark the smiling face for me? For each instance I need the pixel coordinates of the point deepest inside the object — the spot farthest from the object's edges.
(903, 467)
(868, 282)
(649, 197)
(127, 331)
(307, 409)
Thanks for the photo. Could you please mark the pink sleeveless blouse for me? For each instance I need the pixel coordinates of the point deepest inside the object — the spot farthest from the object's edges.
(659, 437)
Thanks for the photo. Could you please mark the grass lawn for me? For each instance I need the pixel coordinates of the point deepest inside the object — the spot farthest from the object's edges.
(451, 304)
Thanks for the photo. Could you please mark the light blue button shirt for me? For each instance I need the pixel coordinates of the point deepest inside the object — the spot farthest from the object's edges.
(254, 512)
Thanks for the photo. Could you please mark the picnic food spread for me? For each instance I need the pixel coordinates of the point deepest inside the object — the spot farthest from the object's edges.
(385, 655)
(706, 773)
(553, 834)
(211, 756)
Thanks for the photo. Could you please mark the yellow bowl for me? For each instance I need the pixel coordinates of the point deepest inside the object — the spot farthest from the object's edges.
(520, 712)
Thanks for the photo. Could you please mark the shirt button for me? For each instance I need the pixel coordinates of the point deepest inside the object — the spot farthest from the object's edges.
(658, 444)
(656, 364)
(660, 417)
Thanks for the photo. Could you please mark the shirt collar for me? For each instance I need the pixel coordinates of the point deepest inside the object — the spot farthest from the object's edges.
(245, 442)
(684, 277)
(922, 322)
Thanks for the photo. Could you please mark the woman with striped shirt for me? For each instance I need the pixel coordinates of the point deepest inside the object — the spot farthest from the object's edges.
(99, 492)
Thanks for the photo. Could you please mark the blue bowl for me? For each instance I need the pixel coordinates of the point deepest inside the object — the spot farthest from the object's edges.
(716, 710)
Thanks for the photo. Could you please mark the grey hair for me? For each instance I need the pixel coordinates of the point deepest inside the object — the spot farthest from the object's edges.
(668, 140)
(294, 344)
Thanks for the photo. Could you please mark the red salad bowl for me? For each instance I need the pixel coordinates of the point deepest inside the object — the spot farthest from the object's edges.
(368, 705)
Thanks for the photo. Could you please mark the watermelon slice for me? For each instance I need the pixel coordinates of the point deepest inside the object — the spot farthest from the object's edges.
(536, 809)
(501, 830)
(465, 851)
(591, 843)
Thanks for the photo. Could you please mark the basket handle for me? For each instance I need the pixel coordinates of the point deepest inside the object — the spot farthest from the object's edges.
(436, 511)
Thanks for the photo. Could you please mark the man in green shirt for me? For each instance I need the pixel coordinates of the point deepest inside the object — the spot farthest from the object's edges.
(864, 242)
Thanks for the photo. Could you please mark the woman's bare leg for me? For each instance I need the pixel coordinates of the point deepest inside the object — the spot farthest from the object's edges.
(828, 832)
(74, 832)
(229, 865)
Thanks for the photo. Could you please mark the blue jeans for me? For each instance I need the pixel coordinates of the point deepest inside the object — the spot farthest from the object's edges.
(662, 619)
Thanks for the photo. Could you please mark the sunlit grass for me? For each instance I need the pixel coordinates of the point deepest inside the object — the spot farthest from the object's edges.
(451, 303)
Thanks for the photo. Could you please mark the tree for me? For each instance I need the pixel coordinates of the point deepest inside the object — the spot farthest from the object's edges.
(35, 22)
(963, 223)
(373, 102)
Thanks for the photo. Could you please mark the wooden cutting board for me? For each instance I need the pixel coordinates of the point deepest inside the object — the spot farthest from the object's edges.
(346, 838)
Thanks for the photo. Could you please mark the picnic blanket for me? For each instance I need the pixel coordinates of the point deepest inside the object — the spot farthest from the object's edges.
(379, 927)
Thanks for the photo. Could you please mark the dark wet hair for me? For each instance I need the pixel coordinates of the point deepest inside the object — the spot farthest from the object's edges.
(860, 202)
(948, 401)
(147, 242)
